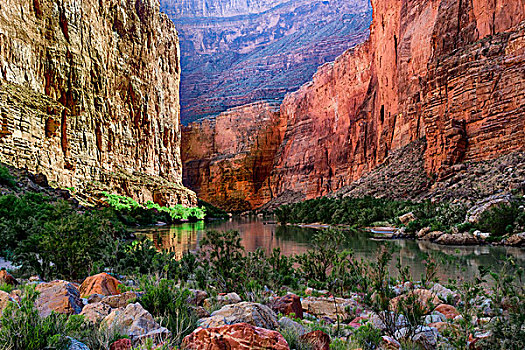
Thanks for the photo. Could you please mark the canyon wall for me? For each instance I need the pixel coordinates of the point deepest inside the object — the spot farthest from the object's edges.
(238, 52)
(228, 159)
(89, 96)
(450, 74)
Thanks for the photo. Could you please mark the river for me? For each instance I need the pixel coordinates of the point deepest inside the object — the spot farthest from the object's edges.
(454, 262)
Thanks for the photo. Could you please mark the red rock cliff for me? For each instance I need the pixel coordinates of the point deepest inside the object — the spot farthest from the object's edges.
(228, 159)
(89, 95)
(448, 70)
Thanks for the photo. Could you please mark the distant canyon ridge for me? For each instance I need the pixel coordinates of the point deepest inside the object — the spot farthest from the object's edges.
(238, 52)
(432, 105)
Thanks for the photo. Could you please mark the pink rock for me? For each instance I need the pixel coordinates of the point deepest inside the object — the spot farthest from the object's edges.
(122, 344)
(240, 336)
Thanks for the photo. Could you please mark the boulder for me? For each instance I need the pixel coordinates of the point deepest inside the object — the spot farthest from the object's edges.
(423, 232)
(482, 236)
(5, 298)
(288, 304)
(443, 293)
(464, 238)
(516, 240)
(59, 296)
(96, 312)
(102, 283)
(121, 344)
(328, 307)
(474, 213)
(317, 340)
(358, 322)
(76, 345)
(119, 300)
(290, 325)
(442, 326)
(226, 299)
(407, 218)
(424, 335)
(432, 236)
(245, 312)
(424, 297)
(7, 278)
(197, 297)
(135, 322)
(200, 311)
(448, 311)
(240, 336)
(95, 298)
(435, 317)
(389, 343)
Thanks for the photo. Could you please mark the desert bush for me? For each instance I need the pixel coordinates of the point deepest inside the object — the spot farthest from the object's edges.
(499, 220)
(6, 178)
(22, 328)
(169, 305)
(368, 337)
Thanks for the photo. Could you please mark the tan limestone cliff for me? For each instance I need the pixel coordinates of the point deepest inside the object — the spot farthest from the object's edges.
(89, 96)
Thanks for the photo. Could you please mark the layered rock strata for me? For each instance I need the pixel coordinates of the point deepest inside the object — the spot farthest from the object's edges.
(89, 96)
(238, 52)
(450, 71)
(443, 78)
(228, 159)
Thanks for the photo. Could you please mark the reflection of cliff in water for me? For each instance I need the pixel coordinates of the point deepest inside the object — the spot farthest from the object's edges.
(453, 262)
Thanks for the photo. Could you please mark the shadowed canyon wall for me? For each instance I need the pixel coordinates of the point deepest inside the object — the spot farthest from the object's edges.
(238, 52)
(229, 159)
(89, 96)
(448, 72)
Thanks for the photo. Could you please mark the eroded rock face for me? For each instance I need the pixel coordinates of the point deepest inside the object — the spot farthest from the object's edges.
(443, 76)
(238, 52)
(237, 336)
(228, 159)
(422, 73)
(89, 96)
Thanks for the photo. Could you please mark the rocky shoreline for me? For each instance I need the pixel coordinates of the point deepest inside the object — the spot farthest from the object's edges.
(316, 318)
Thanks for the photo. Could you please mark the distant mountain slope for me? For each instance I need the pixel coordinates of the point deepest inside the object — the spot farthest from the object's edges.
(237, 52)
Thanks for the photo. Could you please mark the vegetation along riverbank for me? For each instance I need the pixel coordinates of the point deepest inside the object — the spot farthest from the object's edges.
(498, 219)
(83, 282)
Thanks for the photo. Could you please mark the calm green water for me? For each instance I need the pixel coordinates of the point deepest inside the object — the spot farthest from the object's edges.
(454, 262)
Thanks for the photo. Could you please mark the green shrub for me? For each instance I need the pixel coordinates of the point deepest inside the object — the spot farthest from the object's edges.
(23, 329)
(169, 304)
(149, 213)
(223, 258)
(368, 337)
(499, 220)
(6, 178)
(142, 257)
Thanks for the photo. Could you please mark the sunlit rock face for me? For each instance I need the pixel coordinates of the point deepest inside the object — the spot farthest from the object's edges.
(228, 159)
(446, 70)
(89, 95)
(238, 52)
(447, 74)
